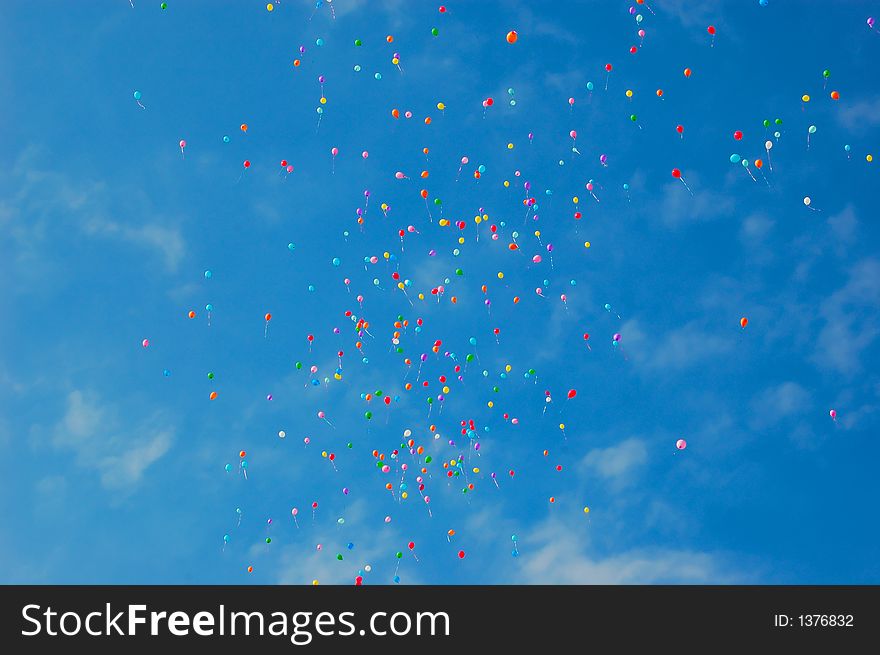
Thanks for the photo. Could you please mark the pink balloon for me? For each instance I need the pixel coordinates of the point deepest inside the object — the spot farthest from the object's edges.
(464, 160)
(833, 413)
(536, 259)
(182, 144)
(294, 511)
(681, 444)
(408, 114)
(334, 151)
(573, 134)
(571, 101)
(290, 169)
(365, 154)
(320, 414)
(145, 343)
(399, 175)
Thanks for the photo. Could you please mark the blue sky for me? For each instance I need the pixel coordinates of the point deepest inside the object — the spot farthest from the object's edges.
(115, 472)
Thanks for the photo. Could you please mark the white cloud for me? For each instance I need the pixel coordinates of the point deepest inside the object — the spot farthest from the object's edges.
(561, 556)
(617, 464)
(850, 317)
(861, 115)
(779, 402)
(676, 350)
(678, 207)
(119, 453)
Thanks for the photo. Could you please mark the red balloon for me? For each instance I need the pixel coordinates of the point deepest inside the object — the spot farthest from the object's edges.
(679, 128)
(608, 67)
(247, 163)
(738, 135)
(490, 102)
(572, 393)
(711, 30)
(676, 173)
(586, 336)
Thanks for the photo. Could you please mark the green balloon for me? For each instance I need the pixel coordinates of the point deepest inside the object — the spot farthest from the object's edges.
(299, 365)
(368, 415)
(531, 371)
(378, 393)
(633, 118)
(778, 121)
(438, 202)
(435, 31)
(164, 5)
(358, 42)
(766, 122)
(339, 556)
(348, 444)
(470, 357)
(268, 540)
(495, 389)
(428, 459)
(399, 555)
(826, 73)
(458, 271)
(210, 376)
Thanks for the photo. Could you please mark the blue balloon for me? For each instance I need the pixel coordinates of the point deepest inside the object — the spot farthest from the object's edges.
(625, 186)
(311, 288)
(481, 168)
(291, 247)
(166, 373)
(847, 147)
(229, 470)
(378, 76)
(336, 261)
(589, 86)
(208, 275)
(209, 307)
(396, 579)
(225, 139)
(735, 158)
(319, 42)
(137, 95)
(473, 341)
(226, 538)
(763, 3)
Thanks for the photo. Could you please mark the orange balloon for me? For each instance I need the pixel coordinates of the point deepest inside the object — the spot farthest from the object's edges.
(389, 38)
(835, 95)
(250, 569)
(424, 193)
(296, 62)
(213, 395)
(427, 120)
(512, 36)
(659, 93)
(244, 127)
(759, 163)
(425, 150)
(515, 300)
(424, 173)
(191, 314)
(242, 454)
(268, 317)
(395, 113)
(743, 321)
(687, 72)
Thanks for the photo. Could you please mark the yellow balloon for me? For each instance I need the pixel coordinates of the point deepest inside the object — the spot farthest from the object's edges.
(586, 244)
(460, 240)
(441, 106)
(500, 275)
(314, 583)
(562, 426)
(421, 296)
(538, 233)
(869, 158)
(506, 183)
(386, 254)
(445, 389)
(629, 93)
(404, 495)
(270, 7)
(323, 100)
(586, 510)
(490, 404)
(805, 98)
(478, 219)
(575, 200)
(507, 368)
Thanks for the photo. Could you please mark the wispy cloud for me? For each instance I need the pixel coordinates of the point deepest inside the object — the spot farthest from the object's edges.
(850, 317)
(860, 116)
(120, 453)
(561, 557)
(617, 464)
(678, 207)
(678, 349)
